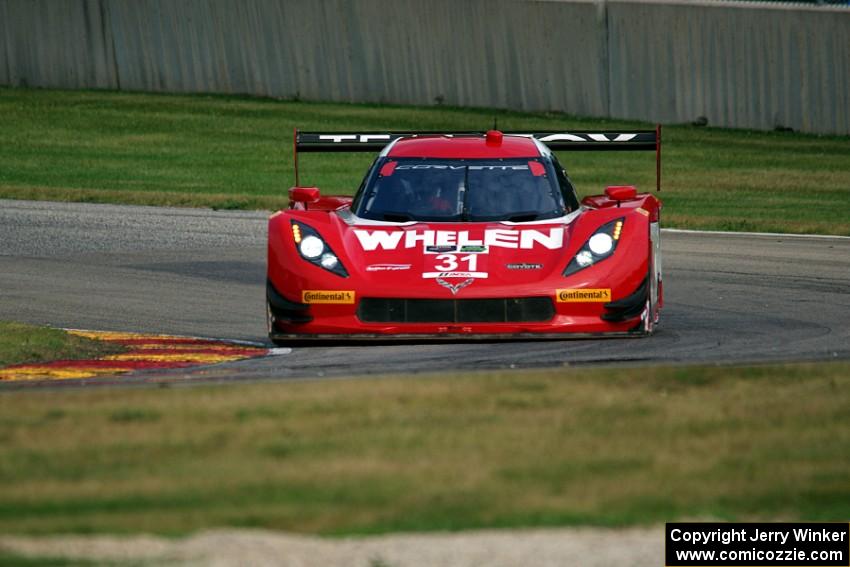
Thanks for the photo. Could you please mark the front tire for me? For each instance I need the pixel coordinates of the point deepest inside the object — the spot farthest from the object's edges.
(654, 297)
(270, 320)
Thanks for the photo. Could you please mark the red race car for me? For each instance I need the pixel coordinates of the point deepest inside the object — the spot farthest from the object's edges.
(465, 235)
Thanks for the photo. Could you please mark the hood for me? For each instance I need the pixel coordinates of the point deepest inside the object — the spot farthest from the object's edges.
(491, 254)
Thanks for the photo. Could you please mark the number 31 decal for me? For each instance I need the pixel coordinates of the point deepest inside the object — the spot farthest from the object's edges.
(455, 266)
(450, 262)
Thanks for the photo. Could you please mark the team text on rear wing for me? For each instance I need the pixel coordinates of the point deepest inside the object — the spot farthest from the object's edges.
(591, 140)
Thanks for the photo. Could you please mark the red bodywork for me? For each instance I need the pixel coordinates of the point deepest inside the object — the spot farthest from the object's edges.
(395, 266)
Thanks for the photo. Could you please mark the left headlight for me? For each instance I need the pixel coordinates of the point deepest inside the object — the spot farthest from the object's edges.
(598, 247)
(315, 250)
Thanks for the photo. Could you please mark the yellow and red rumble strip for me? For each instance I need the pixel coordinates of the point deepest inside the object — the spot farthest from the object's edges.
(144, 352)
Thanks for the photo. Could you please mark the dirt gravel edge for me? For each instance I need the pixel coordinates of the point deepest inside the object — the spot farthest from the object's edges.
(492, 548)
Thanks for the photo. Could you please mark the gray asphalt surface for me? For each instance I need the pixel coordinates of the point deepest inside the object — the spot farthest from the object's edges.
(729, 298)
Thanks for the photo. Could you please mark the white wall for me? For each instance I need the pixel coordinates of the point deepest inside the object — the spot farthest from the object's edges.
(740, 65)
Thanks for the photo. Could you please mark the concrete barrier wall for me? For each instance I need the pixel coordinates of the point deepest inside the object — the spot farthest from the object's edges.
(55, 43)
(753, 66)
(739, 65)
(369, 50)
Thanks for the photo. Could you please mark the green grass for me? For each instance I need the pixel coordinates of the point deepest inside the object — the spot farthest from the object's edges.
(605, 447)
(14, 560)
(21, 343)
(236, 152)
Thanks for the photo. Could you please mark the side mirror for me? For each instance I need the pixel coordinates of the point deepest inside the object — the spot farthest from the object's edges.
(304, 194)
(621, 192)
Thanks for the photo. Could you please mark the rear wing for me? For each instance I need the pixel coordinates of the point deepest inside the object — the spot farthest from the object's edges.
(591, 140)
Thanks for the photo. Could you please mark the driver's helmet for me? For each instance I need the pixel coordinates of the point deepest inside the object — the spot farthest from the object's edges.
(442, 191)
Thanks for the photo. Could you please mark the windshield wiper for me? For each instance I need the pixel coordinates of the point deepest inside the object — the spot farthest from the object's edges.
(396, 217)
(524, 216)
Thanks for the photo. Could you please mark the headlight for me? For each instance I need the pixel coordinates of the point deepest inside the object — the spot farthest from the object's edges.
(584, 258)
(312, 247)
(329, 261)
(315, 250)
(600, 243)
(598, 247)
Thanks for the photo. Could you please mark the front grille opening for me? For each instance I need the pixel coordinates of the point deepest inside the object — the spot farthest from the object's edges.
(508, 310)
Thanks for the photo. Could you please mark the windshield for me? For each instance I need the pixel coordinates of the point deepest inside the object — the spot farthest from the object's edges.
(517, 190)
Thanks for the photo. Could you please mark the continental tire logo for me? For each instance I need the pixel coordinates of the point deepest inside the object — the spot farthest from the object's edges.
(583, 295)
(327, 296)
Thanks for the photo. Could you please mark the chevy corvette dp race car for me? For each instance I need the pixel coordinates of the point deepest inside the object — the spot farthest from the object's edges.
(455, 235)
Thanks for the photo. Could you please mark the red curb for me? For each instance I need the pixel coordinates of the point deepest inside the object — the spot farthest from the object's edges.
(157, 346)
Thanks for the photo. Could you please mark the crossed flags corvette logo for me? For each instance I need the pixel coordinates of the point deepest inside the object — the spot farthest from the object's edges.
(454, 288)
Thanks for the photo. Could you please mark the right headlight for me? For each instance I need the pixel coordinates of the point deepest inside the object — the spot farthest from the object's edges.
(598, 247)
(315, 250)
(311, 247)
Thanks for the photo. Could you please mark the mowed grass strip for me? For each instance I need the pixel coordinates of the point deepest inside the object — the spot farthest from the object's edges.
(14, 560)
(236, 152)
(608, 447)
(21, 343)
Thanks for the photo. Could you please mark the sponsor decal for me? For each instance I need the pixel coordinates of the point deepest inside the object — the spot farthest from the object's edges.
(310, 138)
(473, 249)
(462, 167)
(454, 266)
(387, 267)
(537, 169)
(566, 137)
(362, 138)
(527, 239)
(583, 295)
(440, 249)
(327, 296)
(543, 137)
(429, 275)
(454, 288)
(523, 266)
(642, 211)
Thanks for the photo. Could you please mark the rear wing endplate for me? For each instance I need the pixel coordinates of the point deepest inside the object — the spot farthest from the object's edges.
(591, 140)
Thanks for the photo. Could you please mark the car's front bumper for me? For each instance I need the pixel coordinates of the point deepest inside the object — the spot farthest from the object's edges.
(292, 320)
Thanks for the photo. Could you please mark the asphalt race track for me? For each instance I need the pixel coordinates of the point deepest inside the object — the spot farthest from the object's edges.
(729, 298)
